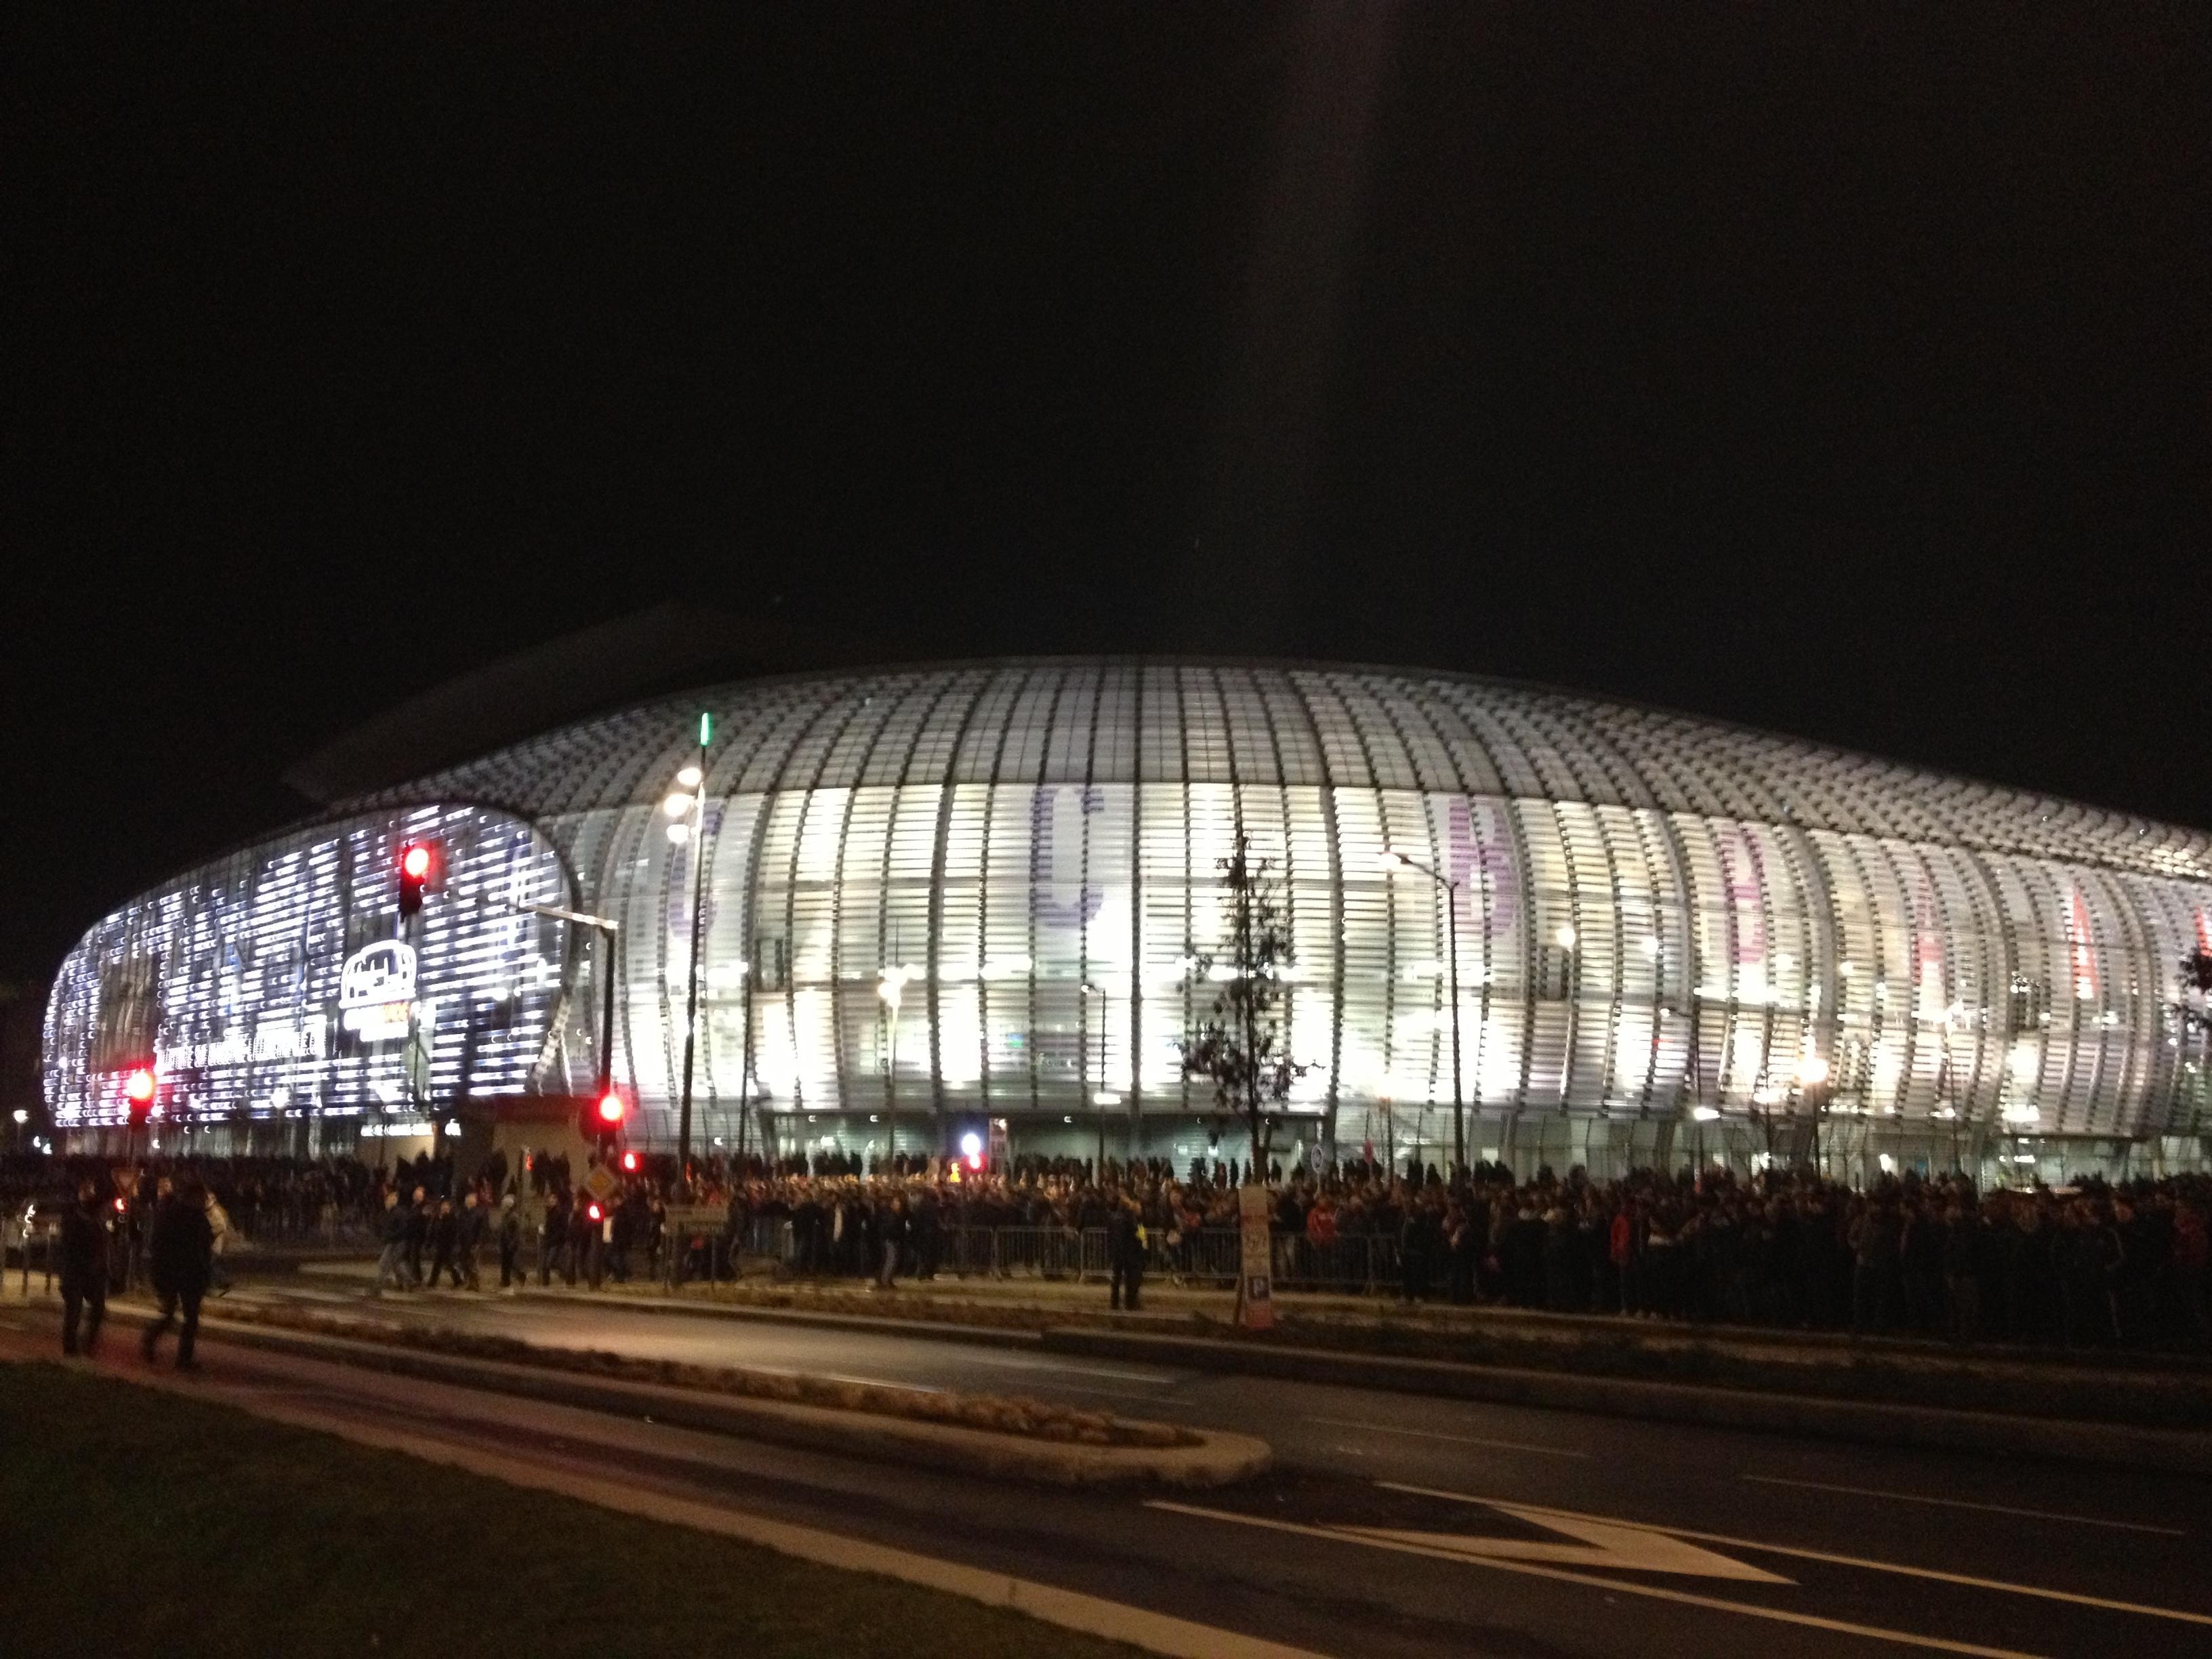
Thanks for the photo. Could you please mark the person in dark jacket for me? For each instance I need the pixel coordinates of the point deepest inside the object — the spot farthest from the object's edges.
(418, 1230)
(1125, 1250)
(553, 1238)
(510, 1242)
(445, 1239)
(891, 1230)
(182, 1256)
(474, 1223)
(84, 1271)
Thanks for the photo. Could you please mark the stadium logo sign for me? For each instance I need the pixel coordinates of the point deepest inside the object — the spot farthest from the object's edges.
(376, 990)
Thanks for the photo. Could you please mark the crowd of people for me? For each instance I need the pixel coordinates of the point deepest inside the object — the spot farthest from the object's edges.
(2089, 1265)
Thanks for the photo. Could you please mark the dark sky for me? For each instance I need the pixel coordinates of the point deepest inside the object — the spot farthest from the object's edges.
(1839, 369)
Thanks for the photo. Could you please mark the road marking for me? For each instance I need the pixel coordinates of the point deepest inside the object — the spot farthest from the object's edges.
(1941, 1577)
(1013, 1364)
(1106, 1393)
(1609, 1547)
(1455, 1439)
(1961, 1503)
(1615, 1586)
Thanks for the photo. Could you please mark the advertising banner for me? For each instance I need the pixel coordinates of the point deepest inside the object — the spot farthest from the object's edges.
(1256, 1307)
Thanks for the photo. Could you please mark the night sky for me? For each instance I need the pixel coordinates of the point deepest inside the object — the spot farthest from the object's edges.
(1838, 370)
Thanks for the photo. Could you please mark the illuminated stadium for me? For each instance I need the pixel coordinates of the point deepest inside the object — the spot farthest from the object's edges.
(971, 897)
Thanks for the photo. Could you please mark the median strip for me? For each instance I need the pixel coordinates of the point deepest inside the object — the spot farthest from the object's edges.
(1006, 1436)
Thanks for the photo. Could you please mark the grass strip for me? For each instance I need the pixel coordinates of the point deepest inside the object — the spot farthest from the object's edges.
(135, 1522)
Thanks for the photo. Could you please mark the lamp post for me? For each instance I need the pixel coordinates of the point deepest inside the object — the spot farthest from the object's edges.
(1811, 1074)
(687, 822)
(891, 987)
(607, 927)
(1084, 993)
(1391, 861)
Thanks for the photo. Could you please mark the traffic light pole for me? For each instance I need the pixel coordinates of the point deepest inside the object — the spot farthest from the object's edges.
(606, 1009)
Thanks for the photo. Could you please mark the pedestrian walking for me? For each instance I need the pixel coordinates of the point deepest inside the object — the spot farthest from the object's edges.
(510, 1243)
(1125, 1247)
(445, 1245)
(890, 1242)
(219, 1230)
(418, 1230)
(553, 1237)
(84, 1271)
(473, 1222)
(390, 1262)
(181, 1253)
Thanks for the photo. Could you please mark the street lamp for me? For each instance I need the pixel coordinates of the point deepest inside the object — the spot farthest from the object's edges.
(891, 987)
(1084, 993)
(1810, 1073)
(688, 816)
(1391, 861)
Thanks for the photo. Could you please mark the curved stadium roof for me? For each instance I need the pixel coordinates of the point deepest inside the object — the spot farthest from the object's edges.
(1122, 720)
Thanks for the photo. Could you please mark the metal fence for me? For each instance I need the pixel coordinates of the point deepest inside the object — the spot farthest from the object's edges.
(272, 1229)
(1206, 1256)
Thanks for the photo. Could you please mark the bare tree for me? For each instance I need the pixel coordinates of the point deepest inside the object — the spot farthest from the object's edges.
(1242, 1045)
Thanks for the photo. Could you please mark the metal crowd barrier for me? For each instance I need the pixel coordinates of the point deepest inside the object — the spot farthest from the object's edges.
(1209, 1256)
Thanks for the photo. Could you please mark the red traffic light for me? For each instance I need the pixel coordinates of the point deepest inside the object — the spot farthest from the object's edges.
(629, 1163)
(139, 1085)
(595, 1213)
(416, 862)
(612, 1109)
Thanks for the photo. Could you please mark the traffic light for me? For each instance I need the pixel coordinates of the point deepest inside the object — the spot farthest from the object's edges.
(138, 1090)
(629, 1163)
(417, 861)
(604, 1117)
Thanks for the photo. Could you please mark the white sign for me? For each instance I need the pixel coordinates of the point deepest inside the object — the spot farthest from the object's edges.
(1255, 1306)
(376, 989)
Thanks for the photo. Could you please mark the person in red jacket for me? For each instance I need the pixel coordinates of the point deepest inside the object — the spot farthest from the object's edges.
(1620, 1250)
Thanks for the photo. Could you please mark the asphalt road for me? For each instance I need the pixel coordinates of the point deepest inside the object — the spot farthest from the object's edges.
(1394, 1524)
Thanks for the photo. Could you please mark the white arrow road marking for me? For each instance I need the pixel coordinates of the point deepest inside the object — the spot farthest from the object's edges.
(1612, 1586)
(1603, 1544)
(1552, 1517)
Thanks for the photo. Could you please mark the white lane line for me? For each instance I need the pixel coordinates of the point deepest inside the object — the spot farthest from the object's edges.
(1961, 1503)
(1014, 1364)
(2002, 1586)
(1107, 1393)
(1610, 1586)
(1455, 1439)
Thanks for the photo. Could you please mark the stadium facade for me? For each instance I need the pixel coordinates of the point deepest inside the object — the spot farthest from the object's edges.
(1675, 939)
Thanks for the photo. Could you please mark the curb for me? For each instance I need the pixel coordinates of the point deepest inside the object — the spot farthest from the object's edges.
(934, 1330)
(1219, 1458)
(1877, 1422)
(2168, 1450)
